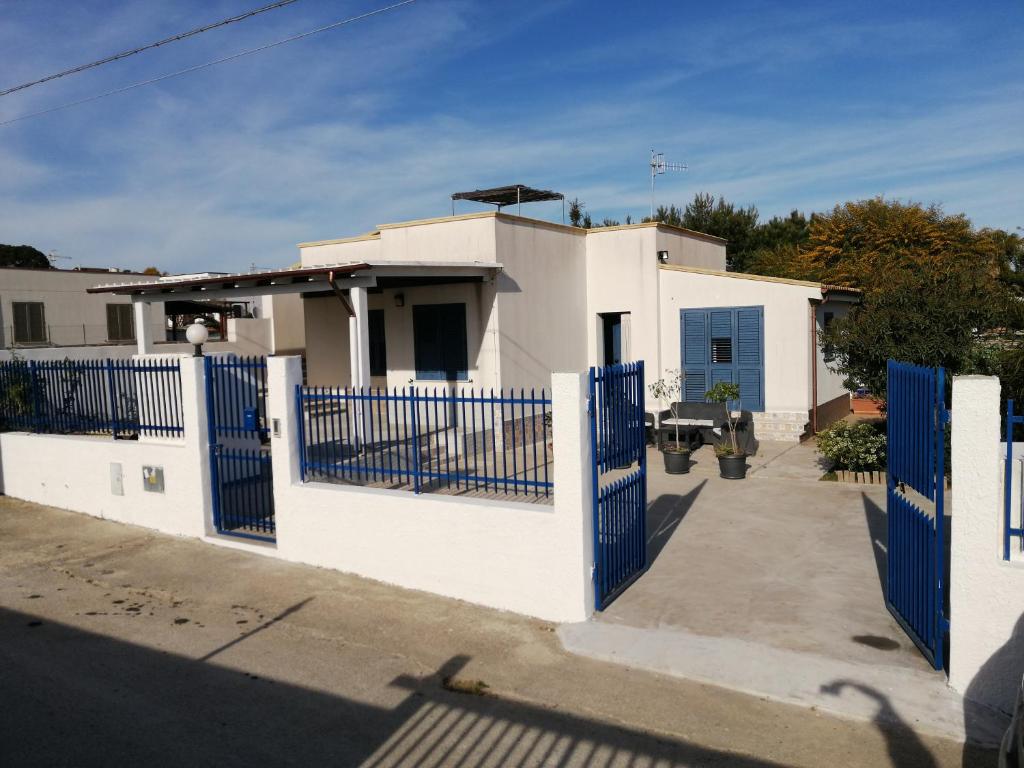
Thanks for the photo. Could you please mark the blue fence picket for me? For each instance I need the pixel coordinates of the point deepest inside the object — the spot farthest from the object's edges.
(916, 449)
(120, 398)
(618, 442)
(467, 440)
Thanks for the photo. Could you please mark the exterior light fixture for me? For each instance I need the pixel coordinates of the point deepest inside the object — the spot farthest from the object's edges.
(197, 336)
(399, 299)
(663, 257)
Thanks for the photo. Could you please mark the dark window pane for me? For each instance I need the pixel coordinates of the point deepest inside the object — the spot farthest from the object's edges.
(439, 342)
(721, 350)
(378, 346)
(29, 322)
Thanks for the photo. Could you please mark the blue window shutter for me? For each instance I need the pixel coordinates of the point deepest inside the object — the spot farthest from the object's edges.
(721, 324)
(750, 357)
(695, 355)
(748, 337)
(695, 342)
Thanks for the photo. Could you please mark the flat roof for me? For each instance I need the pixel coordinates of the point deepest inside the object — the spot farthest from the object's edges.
(375, 233)
(297, 279)
(824, 287)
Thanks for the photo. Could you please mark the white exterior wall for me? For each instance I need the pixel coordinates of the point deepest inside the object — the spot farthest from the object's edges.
(787, 354)
(74, 472)
(527, 558)
(74, 317)
(622, 276)
(542, 299)
(690, 250)
(986, 592)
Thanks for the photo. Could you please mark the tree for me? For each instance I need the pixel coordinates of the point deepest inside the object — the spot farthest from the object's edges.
(24, 256)
(151, 271)
(576, 212)
(931, 288)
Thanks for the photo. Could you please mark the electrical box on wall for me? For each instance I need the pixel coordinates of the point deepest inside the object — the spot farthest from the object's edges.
(116, 479)
(153, 479)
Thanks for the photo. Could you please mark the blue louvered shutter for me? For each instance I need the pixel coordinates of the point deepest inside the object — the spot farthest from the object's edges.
(749, 357)
(695, 355)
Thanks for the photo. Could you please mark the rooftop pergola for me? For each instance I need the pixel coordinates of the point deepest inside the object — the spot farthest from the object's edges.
(514, 194)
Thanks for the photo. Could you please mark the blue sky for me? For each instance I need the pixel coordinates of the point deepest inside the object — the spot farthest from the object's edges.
(780, 105)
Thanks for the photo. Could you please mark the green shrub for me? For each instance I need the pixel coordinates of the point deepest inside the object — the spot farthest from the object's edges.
(858, 446)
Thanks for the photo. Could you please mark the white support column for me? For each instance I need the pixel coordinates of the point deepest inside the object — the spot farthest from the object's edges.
(359, 346)
(143, 330)
(196, 439)
(573, 487)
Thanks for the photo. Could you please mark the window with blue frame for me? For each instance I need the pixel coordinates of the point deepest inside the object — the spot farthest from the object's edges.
(439, 342)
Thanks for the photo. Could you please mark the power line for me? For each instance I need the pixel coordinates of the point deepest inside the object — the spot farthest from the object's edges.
(157, 44)
(187, 70)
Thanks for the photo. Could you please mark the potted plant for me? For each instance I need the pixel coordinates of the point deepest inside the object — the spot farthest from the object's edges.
(677, 454)
(732, 462)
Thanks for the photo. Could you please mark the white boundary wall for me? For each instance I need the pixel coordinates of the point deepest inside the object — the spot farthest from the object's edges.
(527, 558)
(74, 472)
(986, 592)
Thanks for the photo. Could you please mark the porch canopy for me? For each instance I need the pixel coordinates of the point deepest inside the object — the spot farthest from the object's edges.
(348, 281)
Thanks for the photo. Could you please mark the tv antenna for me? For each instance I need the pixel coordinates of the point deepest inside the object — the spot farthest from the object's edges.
(658, 167)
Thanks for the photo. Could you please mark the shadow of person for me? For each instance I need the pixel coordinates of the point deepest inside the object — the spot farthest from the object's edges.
(906, 750)
(994, 687)
(664, 515)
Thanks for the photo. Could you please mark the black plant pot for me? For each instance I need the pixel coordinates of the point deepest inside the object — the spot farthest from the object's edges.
(676, 462)
(733, 467)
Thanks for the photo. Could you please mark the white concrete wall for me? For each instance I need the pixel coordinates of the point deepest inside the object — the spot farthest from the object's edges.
(542, 322)
(688, 250)
(526, 558)
(74, 472)
(128, 351)
(986, 592)
(74, 317)
(787, 371)
(288, 324)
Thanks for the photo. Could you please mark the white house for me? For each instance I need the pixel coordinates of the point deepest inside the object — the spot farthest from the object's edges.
(491, 300)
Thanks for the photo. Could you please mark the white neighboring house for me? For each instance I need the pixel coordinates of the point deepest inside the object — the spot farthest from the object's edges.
(52, 314)
(491, 300)
(50, 308)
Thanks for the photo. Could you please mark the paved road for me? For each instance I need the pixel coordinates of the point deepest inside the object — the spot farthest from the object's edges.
(122, 647)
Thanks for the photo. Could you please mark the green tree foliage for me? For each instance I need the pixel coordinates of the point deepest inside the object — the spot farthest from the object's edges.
(932, 293)
(24, 256)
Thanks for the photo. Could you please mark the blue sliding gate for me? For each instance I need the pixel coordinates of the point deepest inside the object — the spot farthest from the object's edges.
(619, 478)
(240, 466)
(916, 576)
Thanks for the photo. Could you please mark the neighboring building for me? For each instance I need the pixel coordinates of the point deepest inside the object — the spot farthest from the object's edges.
(50, 307)
(491, 300)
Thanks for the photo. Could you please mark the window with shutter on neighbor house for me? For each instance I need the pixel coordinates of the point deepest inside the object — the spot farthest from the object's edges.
(120, 322)
(439, 342)
(29, 322)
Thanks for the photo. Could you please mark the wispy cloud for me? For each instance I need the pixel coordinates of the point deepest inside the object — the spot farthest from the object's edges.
(237, 164)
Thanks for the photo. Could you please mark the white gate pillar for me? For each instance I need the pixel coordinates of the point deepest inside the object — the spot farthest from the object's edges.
(143, 330)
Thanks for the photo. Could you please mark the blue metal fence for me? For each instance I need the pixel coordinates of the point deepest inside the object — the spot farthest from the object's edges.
(121, 398)
(466, 441)
(241, 473)
(618, 442)
(1010, 530)
(916, 572)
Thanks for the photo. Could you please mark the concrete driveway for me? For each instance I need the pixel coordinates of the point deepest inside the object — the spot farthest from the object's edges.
(773, 585)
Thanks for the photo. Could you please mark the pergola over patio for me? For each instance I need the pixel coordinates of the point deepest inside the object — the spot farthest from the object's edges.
(350, 282)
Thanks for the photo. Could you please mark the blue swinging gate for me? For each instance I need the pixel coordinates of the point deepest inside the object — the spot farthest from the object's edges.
(619, 478)
(240, 466)
(916, 577)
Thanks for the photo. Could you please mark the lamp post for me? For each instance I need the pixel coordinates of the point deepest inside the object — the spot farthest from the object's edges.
(197, 336)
